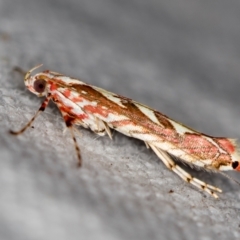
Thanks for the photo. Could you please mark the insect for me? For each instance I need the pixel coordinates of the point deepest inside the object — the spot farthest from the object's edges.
(100, 110)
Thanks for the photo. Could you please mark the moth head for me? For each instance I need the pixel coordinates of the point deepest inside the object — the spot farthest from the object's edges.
(37, 83)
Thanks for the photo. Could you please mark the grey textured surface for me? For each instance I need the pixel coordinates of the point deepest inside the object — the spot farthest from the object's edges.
(181, 57)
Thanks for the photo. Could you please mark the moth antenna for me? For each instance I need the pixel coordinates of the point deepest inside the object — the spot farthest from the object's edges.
(19, 70)
(232, 179)
(30, 71)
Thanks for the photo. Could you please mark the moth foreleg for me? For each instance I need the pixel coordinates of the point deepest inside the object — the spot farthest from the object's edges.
(41, 109)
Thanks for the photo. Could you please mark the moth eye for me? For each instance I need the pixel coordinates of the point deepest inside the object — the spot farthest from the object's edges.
(39, 85)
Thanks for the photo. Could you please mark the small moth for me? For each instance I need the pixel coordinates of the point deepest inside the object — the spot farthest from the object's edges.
(100, 110)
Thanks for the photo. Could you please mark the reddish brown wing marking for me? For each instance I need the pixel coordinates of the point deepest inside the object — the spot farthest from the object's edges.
(131, 111)
(193, 144)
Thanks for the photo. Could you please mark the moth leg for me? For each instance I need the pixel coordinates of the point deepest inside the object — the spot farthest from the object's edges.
(183, 174)
(147, 145)
(41, 109)
(69, 121)
(100, 128)
(107, 129)
(77, 131)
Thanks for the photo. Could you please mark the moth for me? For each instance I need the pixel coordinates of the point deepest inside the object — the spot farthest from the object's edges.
(99, 110)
